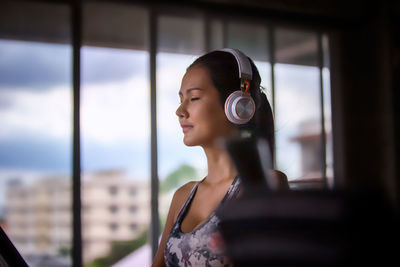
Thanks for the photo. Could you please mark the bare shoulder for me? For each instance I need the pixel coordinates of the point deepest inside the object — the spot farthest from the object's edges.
(181, 195)
(178, 199)
(183, 191)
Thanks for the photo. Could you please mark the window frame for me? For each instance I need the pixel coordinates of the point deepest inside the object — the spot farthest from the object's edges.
(155, 10)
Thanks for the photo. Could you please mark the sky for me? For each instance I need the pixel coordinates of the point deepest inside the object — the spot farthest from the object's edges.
(36, 111)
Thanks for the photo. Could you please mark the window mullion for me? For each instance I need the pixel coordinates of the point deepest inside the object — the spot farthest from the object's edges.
(271, 45)
(76, 12)
(155, 224)
(323, 131)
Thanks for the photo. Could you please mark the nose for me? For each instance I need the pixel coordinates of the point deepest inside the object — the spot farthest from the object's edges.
(181, 111)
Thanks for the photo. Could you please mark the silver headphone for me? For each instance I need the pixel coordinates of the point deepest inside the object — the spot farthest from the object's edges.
(240, 106)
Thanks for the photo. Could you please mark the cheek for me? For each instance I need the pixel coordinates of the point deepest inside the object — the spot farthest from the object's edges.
(212, 112)
(216, 118)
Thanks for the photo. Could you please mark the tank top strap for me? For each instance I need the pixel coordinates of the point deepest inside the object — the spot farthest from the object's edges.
(233, 190)
(187, 202)
(232, 193)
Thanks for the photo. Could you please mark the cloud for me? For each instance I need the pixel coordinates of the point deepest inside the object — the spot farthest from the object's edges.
(42, 66)
(116, 111)
(115, 125)
(32, 152)
(41, 113)
(106, 65)
(110, 112)
(134, 157)
(34, 65)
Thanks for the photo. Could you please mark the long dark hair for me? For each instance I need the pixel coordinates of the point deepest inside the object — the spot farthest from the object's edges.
(224, 73)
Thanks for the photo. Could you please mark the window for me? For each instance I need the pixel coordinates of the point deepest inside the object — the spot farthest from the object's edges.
(298, 115)
(133, 209)
(114, 227)
(36, 111)
(113, 190)
(133, 191)
(115, 123)
(36, 127)
(113, 209)
(179, 44)
(133, 226)
(252, 39)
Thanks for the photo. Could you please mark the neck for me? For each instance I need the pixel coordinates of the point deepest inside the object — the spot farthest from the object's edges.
(220, 165)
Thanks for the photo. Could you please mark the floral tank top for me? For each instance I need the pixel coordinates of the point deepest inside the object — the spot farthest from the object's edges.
(204, 245)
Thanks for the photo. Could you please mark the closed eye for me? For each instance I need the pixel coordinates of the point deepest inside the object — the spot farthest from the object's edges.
(194, 98)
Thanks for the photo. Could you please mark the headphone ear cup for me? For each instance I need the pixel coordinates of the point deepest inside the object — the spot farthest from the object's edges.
(239, 107)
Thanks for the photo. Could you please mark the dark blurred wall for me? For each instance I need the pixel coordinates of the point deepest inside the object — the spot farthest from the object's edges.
(365, 75)
(365, 80)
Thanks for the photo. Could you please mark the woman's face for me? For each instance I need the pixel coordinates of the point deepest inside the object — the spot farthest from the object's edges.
(200, 113)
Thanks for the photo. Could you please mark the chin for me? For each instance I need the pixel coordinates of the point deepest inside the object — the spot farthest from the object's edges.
(189, 142)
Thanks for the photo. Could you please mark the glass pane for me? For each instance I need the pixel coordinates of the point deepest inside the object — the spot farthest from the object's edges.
(298, 109)
(178, 164)
(115, 149)
(252, 39)
(296, 47)
(36, 130)
(217, 35)
(183, 35)
(107, 25)
(35, 148)
(115, 134)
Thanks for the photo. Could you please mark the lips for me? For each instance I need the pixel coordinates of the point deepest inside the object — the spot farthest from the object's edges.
(186, 127)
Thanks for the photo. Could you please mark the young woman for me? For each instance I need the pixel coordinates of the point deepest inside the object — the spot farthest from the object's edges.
(191, 236)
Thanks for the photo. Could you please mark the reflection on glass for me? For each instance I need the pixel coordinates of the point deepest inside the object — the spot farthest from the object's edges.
(35, 149)
(297, 102)
(115, 152)
(183, 35)
(252, 39)
(217, 34)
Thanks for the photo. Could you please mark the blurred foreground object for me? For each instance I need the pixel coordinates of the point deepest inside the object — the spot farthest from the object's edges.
(251, 155)
(9, 255)
(266, 227)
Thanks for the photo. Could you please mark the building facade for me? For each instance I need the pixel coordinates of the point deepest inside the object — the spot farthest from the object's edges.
(114, 208)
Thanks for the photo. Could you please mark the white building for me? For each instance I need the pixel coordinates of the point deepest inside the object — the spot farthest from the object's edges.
(114, 208)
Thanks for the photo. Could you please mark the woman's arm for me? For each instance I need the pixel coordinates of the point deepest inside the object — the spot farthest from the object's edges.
(177, 201)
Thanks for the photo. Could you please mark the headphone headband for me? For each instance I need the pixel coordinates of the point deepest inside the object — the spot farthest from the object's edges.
(245, 71)
(240, 106)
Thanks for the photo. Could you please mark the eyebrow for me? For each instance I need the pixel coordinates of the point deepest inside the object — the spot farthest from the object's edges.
(190, 89)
